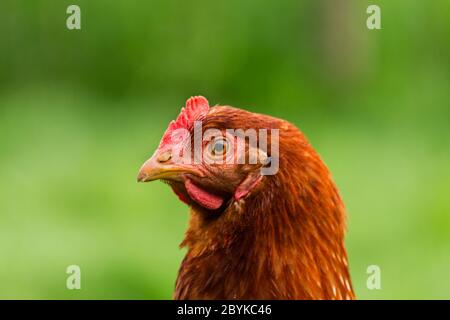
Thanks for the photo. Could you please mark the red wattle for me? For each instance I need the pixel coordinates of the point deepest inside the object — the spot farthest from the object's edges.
(202, 197)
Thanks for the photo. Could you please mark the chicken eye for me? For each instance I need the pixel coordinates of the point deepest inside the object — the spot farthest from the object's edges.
(219, 147)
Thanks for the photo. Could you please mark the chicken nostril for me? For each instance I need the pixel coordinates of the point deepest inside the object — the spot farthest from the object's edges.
(165, 156)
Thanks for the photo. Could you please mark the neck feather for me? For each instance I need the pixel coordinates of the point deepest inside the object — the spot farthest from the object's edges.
(285, 242)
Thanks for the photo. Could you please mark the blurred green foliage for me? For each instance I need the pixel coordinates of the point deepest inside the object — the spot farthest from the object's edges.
(81, 110)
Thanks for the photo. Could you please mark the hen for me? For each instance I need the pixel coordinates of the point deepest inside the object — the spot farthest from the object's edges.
(266, 219)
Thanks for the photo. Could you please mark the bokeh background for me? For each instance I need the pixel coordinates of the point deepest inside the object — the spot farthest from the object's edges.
(81, 110)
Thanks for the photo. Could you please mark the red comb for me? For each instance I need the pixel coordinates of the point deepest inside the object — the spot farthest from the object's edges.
(196, 108)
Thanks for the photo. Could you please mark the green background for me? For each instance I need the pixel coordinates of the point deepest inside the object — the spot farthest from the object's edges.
(81, 110)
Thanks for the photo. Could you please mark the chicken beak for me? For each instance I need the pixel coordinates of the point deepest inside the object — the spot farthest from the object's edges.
(160, 166)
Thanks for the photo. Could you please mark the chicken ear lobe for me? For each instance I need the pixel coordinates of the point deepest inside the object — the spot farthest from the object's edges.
(247, 185)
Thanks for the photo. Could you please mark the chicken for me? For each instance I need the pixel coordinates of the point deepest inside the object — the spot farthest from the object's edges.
(266, 229)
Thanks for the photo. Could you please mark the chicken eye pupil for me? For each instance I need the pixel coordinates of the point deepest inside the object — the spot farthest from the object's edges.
(219, 147)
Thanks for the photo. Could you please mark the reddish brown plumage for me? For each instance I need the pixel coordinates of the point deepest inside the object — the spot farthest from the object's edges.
(283, 240)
